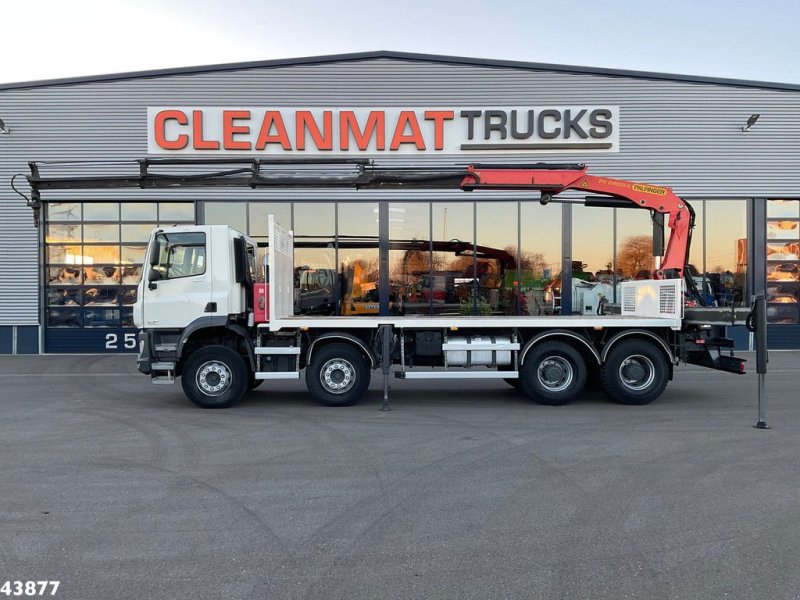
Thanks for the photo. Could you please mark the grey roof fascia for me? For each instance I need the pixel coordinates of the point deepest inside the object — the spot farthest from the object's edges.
(406, 56)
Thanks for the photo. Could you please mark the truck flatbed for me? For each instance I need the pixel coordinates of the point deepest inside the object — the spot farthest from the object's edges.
(467, 322)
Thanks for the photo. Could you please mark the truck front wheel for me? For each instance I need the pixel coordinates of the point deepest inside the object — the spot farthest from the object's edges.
(215, 377)
(635, 372)
(338, 375)
(553, 373)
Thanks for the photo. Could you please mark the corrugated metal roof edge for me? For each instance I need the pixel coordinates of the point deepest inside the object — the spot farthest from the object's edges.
(407, 56)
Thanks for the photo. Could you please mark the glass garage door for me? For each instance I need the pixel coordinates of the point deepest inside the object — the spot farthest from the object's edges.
(93, 259)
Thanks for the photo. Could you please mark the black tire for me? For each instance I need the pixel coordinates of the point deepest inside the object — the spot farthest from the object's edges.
(215, 377)
(554, 373)
(635, 372)
(338, 375)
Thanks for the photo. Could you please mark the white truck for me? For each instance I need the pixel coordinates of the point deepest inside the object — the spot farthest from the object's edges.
(205, 318)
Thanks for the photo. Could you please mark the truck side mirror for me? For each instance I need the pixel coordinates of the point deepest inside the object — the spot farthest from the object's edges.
(153, 275)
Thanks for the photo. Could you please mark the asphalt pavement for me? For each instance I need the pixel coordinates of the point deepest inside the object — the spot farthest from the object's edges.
(122, 489)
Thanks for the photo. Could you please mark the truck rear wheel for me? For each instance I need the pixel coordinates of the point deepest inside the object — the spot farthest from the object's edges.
(553, 373)
(338, 375)
(635, 372)
(215, 377)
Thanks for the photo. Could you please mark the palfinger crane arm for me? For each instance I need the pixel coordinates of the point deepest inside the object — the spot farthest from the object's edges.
(549, 179)
(549, 182)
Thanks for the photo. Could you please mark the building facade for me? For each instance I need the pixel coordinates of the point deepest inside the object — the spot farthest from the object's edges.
(69, 285)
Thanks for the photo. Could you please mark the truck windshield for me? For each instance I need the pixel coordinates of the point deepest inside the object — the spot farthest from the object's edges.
(180, 254)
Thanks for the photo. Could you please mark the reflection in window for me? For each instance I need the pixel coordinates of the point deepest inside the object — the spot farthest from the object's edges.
(63, 233)
(64, 296)
(101, 275)
(176, 212)
(94, 232)
(101, 296)
(131, 275)
(60, 317)
(497, 276)
(259, 217)
(783, 261)
(726, 252)
(139, 211)
(315, 249)
(101, 317)
(634, 245)
(101, 211)
(133, 254)
(452, 287)
(93, 255)
(63, 211)
(233, 214)
(128, 296)
(540, 256)
(64, 276)
(136, 233)
(358, 260)
(409, 257)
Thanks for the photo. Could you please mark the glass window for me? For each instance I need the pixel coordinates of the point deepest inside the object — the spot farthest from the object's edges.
(69, 255)
(634, 244)
(133, 254)
(359, 265)
(127, 317)
(63, 211)
(101, 296)
(64, 276)
(100, 233)
(451, 285)
(314, 243)
(176, 212)
(226, 213)
(63, 233)
(101, 317)
(64, 317)
(101, 275)
(181, 255)
(101, 211)
(410, 258)
(139, 211)
(496, 274)
(131, 275)
(93, 255)
(540, 258)
(128, 296)
(783, 261)
(69, 296)
(136, 233)
(726, 252)
(259, 216)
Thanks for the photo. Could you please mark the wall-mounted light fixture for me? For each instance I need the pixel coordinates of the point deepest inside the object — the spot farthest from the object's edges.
(750, 122)
(3, 128)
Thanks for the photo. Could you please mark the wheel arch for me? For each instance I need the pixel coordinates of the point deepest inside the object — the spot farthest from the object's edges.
(215, 330)
(644, 335)
(581, 343)
(334, 336)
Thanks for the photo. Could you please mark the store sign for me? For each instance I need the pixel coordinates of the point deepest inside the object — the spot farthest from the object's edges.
(292, 131)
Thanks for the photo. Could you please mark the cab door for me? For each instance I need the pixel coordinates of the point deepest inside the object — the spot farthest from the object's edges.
(177, 288)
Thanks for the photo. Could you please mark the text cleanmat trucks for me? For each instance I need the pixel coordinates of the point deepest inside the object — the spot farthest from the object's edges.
(204, 317)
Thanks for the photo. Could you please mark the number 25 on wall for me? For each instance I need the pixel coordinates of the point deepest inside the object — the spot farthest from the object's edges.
(112, 341)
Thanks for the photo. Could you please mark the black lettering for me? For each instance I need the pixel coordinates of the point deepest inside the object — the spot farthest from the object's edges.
(521, 135)
(573, 123)
(489, 127)
(556, 116)
(606, 124)
(471, 115)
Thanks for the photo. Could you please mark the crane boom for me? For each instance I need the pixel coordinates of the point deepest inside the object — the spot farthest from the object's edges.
(547, 178)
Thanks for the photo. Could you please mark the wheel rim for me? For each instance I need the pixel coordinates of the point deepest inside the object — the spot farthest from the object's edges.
(214, 378)
(637, 372)
(555, 373)
(337, 376)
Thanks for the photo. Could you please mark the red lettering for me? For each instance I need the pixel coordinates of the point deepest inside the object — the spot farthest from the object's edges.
(273, 118)
(197, 133)
(438, 117)
(159, 125)
(407, 117)
(305, 120)
(230, 129)
(375, 125)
